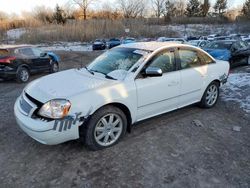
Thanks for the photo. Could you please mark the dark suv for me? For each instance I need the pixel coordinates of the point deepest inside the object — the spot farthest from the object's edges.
(20, 61)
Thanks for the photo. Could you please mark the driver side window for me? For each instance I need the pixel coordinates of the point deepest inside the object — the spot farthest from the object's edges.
(165, 61)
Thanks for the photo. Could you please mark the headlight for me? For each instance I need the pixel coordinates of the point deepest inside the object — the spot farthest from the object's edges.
(55, 109)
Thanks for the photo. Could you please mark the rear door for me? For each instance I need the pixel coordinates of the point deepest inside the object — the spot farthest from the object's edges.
(156, 95)
(193, 75)
(32, 57)
(43, 62)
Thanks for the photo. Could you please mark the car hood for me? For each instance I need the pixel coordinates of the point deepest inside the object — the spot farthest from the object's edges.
(221, 54)
(64, 84)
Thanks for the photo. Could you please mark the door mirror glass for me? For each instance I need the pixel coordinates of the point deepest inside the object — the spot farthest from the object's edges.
(43, 54)
(153, 72)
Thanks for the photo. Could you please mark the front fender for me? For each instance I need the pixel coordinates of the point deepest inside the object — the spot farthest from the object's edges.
(88, 102)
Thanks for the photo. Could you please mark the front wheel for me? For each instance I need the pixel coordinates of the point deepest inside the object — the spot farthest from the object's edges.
(104, 128)
(210, 96)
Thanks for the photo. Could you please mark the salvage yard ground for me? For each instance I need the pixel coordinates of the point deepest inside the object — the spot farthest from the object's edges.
(191, 147)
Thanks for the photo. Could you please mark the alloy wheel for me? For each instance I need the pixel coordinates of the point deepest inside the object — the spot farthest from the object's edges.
(108, 129)
(24, 75)
(212, 95)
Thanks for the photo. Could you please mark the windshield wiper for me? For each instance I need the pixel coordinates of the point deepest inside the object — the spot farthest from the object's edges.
(110, 77)
(106, 75)
(91, 72)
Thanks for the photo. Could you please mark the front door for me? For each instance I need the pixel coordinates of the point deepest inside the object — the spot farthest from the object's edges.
(156, 95)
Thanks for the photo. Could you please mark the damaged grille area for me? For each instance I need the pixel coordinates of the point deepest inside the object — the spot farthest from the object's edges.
(25, 106)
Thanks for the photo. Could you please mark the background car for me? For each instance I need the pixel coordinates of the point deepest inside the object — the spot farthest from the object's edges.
(211, 37)
(165, 39)
(113, 42)
(236, 52)
(222, 38)
(18, 62)
(247, 40)
(128, 40)
(198, 43)
(99, 44)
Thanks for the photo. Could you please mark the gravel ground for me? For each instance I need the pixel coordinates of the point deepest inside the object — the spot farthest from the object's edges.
(191, 147)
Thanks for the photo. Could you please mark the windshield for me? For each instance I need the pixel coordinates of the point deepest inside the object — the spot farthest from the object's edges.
(219, 45)
(115, 59)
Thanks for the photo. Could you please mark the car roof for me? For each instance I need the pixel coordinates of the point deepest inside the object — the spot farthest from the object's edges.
(15, 46)
(152, 46)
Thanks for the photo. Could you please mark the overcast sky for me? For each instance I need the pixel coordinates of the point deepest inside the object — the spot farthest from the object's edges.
(17, 6)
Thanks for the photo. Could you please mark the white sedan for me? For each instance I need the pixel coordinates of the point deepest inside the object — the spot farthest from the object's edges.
(130, 83)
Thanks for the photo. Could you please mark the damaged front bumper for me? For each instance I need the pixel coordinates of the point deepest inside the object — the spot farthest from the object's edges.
(46, 132)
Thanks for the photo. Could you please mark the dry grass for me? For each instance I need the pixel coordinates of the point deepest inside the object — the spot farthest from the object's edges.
(92, 29)
(86, 31)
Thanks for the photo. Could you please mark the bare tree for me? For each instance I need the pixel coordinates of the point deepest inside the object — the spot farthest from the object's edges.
(132, 8)
(43, 14)
(158, 7)
(84, 5)
(169, 10)
(180, 8)
(220, 6)
(205, 6)
(3, 16)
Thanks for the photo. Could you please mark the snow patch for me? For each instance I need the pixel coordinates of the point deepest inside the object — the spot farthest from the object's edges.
(14, 34)
(237, 89)
(66, 46)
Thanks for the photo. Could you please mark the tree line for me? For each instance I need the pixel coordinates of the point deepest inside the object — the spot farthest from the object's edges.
(166, 9)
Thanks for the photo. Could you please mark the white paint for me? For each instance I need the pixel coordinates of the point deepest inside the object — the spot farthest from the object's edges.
(144, 97)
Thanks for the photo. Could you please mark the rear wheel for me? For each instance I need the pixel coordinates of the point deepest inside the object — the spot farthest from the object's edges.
(104, 128)
(210, 96)
(23, 75)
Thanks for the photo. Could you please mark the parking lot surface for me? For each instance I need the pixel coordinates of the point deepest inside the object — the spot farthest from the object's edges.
(190, 147)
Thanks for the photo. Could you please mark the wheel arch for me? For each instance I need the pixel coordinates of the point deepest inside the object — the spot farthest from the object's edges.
(25, 66)
(122, 107)
(217, 81)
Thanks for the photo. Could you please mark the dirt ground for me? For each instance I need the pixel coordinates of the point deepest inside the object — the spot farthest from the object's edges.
(165, 151)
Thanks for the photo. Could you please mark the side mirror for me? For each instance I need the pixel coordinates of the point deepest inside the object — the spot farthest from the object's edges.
(153, 72)
(43, 54)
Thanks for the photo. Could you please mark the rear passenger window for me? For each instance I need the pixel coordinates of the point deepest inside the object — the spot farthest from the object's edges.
(189, 59)
(206, 59)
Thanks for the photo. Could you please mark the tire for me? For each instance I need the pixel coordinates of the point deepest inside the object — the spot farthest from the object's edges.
(22, 75)
(210, 96)
(248, 61)
(99, 134)
(54, 67)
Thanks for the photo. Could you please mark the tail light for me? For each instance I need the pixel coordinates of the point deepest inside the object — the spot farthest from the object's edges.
(7, 59)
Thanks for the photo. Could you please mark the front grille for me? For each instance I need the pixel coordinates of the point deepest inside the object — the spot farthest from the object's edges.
(25, 106)
(36, 102)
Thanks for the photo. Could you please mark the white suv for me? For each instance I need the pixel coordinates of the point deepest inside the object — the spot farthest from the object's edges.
(127, 84)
